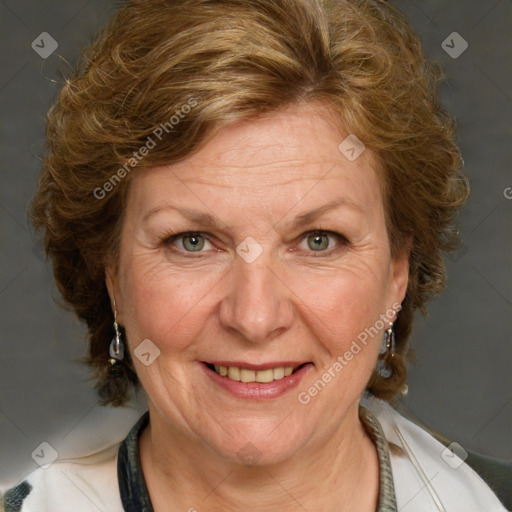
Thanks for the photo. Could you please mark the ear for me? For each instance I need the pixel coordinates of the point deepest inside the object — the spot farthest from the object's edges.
(400, 273)
(112, 283)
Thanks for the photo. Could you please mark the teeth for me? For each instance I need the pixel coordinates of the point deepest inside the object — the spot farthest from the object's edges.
(278, 373)
(247, 375)
(263, 376)
(234, 373)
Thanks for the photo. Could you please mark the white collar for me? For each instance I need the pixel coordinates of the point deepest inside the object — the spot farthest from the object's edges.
(423, 480)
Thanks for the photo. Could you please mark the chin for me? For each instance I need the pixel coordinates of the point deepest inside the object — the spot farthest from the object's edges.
(267, 444)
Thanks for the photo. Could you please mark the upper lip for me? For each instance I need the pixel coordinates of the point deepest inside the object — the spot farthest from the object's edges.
(256, 367)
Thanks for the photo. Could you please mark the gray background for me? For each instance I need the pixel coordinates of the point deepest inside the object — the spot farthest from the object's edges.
(462, 382)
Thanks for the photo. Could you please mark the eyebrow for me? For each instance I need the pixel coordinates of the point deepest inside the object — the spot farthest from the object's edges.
(307, 217)
(188, 213)
(210, 221)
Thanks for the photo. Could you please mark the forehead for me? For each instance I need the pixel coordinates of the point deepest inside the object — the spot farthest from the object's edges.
(288, 152)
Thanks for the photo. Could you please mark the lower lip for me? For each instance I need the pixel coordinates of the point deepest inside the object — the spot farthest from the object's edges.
(258, 390)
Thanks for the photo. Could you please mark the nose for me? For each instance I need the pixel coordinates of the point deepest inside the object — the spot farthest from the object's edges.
(257, 304)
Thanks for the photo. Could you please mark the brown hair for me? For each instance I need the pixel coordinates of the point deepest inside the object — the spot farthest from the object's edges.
(229, 60)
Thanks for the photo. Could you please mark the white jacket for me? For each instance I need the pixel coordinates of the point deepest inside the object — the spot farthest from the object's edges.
(424, 481)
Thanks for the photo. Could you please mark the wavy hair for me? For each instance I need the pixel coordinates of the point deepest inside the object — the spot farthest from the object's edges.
(239, 59)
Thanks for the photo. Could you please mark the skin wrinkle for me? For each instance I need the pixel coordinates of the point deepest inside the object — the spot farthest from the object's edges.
(156, 231)
(349, 61)
(284, 305)
(219, 176)
(258, 199)
(196, 215)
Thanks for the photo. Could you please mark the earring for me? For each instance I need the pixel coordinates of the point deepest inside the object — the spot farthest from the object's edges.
(116, 349)
(387, 351)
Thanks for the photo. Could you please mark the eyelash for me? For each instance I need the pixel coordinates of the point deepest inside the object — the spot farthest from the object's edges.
(341, 242)
(315, 254)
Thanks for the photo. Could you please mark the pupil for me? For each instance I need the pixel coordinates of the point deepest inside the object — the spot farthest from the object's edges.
(320, 242)
(193, 243)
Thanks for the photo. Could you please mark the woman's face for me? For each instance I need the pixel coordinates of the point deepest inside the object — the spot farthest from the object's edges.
(266, 249)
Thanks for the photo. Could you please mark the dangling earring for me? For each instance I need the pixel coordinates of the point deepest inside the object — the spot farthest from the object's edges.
(116, 349)
(387, 351)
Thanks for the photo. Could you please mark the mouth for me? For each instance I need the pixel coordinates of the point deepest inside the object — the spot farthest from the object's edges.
(252, 373)
(256, 382)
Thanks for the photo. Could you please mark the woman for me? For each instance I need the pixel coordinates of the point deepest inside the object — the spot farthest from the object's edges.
(246, 201)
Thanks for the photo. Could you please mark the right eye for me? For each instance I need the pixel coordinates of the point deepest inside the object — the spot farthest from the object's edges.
(188, 242)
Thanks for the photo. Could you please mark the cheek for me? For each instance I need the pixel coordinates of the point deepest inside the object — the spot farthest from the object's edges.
(165, 306)
(343, 306)
(343, 316)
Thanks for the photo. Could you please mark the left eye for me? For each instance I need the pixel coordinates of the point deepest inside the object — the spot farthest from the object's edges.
(319, 241)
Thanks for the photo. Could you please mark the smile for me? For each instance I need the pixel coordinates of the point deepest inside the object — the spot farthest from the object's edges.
(248, 375)
(249, 381)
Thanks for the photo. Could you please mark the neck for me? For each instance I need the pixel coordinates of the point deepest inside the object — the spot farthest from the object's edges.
(339, 473)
